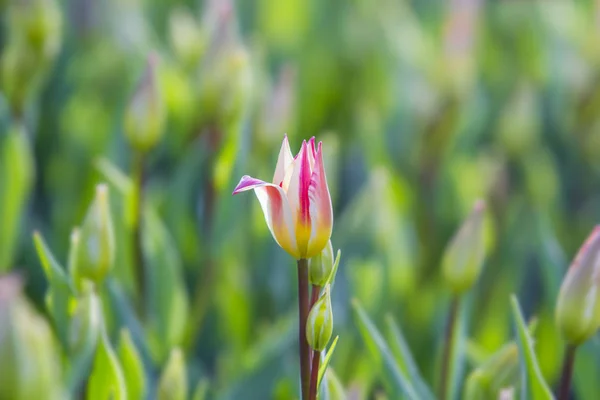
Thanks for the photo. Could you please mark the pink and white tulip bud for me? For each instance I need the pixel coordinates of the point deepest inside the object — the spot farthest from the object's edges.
(464, 255)
(578, 305)
(297, 205)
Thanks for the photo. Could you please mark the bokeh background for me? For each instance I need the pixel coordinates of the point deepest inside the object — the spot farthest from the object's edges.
(422, 106)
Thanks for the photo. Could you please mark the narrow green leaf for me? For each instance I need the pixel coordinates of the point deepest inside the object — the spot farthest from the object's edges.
(336, 264)
(133, 369)
(84, 330)
(107, 380)
(59, 293)
(201, 391)
(405, 359)
(168, 299)
(401, 385)
(326, 359)
(114, 175)
(335, 389)
(17, 173)
(533, 385)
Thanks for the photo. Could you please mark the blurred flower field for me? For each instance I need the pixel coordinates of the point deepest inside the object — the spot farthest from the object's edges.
(461, 145)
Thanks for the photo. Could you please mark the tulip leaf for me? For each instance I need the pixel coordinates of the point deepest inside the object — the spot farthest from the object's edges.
(60, 291)
(133, 369)
(326, 360)
(533, 385)
(335, 389)
(84, 330)
(168, 300)
(498, 372)
(17, 173)
(107, 380)
(201, 391)
(114, 175)
(173, 381)
(336, 264)
(401, 384)
(405, 359)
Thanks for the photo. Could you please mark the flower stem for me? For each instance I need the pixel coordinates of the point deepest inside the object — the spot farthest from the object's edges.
(448, 339)
(567, 372)
(303, 316)
(314, 375)
(139, 270)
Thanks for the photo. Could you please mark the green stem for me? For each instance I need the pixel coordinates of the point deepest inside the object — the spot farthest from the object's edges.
(448, 339)
(314, 375)
(303, 316)
(567, 372)
(139, 269)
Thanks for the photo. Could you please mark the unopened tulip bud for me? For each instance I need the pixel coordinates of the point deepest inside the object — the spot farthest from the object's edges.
(145, 115)
(31, 44)
(320, 266)
(27, 348)
(464, 255)
(173, 381)
(96, 247)
(187, 39)
(319, 324)
(578, 305)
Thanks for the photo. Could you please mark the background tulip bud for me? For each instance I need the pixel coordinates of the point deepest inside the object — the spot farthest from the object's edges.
(578, 305)
(96, 247)
(464, 255)
(173, 381)
(319, 325)
(32, 43)
(321, 266)
(30, 362)
(145, 115)
(187, 38)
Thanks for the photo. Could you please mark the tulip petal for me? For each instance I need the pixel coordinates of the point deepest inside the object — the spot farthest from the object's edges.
(312, 153)
(297, 195)
(321, 212)
(284, 163)
(276, 210)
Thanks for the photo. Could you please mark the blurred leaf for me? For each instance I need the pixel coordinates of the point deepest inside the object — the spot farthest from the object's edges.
(533, 385)
(400, 383)
(168, 300)
(17, 173)
(326, 359)
(405, 360)
(498, 372)
(60, 291)
(335, 389)
(201, 391)
(173, 381)
(133, 369)
(107, 381)
(84, 330)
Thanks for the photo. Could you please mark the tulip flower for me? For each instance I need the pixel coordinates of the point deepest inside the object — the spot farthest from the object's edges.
(297, 205)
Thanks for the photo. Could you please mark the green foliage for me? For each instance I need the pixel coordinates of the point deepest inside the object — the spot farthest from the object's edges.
(533, 385)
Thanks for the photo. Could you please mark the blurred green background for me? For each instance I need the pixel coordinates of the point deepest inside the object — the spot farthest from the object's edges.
(423, 107)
